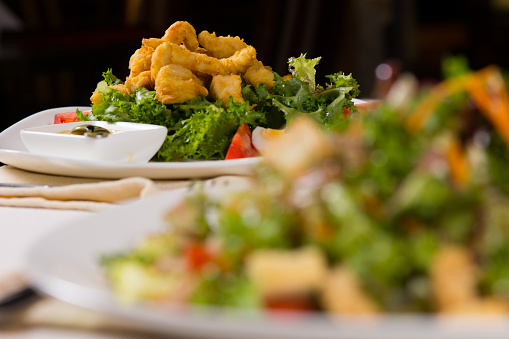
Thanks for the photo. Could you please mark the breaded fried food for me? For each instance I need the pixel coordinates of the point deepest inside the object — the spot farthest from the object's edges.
(224, 86)
(177, 84)
(453, 276)
(144, 79)
(240, 61)
(278, 273)
(202, 50)
(152, 42)
(180, 45)
(204, 78)
(168, 53)
(182, 32)
(141, 60)
(95, 98)
(221, 47)
(259, 74)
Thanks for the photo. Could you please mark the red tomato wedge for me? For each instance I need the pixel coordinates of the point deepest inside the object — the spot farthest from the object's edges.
(241, 146)
(290, 304)
(64, 117)
(197, 256)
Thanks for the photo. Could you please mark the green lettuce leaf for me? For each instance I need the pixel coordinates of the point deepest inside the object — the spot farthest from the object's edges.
(304, 69)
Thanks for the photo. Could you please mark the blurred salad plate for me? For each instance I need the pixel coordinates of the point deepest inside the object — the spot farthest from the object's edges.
(65, 264)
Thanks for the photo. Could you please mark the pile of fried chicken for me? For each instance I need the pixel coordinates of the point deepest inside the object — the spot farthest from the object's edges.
(182, 65)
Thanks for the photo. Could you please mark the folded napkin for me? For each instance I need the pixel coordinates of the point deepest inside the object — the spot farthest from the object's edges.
(77, 196)
(59, 192)
(74, 193)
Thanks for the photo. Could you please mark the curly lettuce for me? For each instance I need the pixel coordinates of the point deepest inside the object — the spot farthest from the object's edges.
(203, 129)
(287, 99)
(304, 69)
(197, 129)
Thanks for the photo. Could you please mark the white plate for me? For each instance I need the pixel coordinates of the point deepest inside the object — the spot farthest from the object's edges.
(65, 264)
(13, 152)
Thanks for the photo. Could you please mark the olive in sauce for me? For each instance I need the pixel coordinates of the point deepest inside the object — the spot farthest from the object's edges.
(89, 130)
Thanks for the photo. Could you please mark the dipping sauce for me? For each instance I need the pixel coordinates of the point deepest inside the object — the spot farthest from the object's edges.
(90, 130)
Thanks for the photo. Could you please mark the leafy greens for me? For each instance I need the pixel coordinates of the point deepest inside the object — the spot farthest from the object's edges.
(203, 128)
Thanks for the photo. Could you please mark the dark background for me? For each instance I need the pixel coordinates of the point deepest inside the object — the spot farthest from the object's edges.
(58, 52)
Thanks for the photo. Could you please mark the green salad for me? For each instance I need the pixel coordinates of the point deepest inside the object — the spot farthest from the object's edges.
(203, 128)
(405, 210)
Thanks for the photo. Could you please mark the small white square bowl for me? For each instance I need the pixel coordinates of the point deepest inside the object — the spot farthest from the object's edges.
(134, 143)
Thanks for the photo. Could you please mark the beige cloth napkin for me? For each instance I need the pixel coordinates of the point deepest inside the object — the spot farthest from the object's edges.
(59, 192)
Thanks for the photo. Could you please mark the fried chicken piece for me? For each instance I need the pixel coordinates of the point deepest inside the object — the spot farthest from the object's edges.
(182, 32)
(204, 78)
(144, 79)
(152, 42)
(176, 84)
(280, 273)
(96, 98)
(141, 60)
(202, 50)
(342, 294)
(224, 86)
(259, 74)
(168, 53)
(178, 33)
(454, 278)
(221, 47)
(239, 62)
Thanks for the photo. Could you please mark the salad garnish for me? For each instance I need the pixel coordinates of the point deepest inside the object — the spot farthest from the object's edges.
(203, 107)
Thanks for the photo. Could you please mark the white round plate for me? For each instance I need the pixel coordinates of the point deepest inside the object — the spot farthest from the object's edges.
(14, 153)
(65, 264)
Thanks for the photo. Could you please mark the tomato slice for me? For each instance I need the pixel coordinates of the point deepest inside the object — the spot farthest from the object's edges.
(197, 256)
(65, 117)
(293, 303)
(241, 146)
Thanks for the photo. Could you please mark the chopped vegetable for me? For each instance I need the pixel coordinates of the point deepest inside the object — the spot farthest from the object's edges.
(64, 117)
(241, 146)
(197, 256)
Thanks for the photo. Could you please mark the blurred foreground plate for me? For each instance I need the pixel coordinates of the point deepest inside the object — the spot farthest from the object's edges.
(65, 265)
(14, 153)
